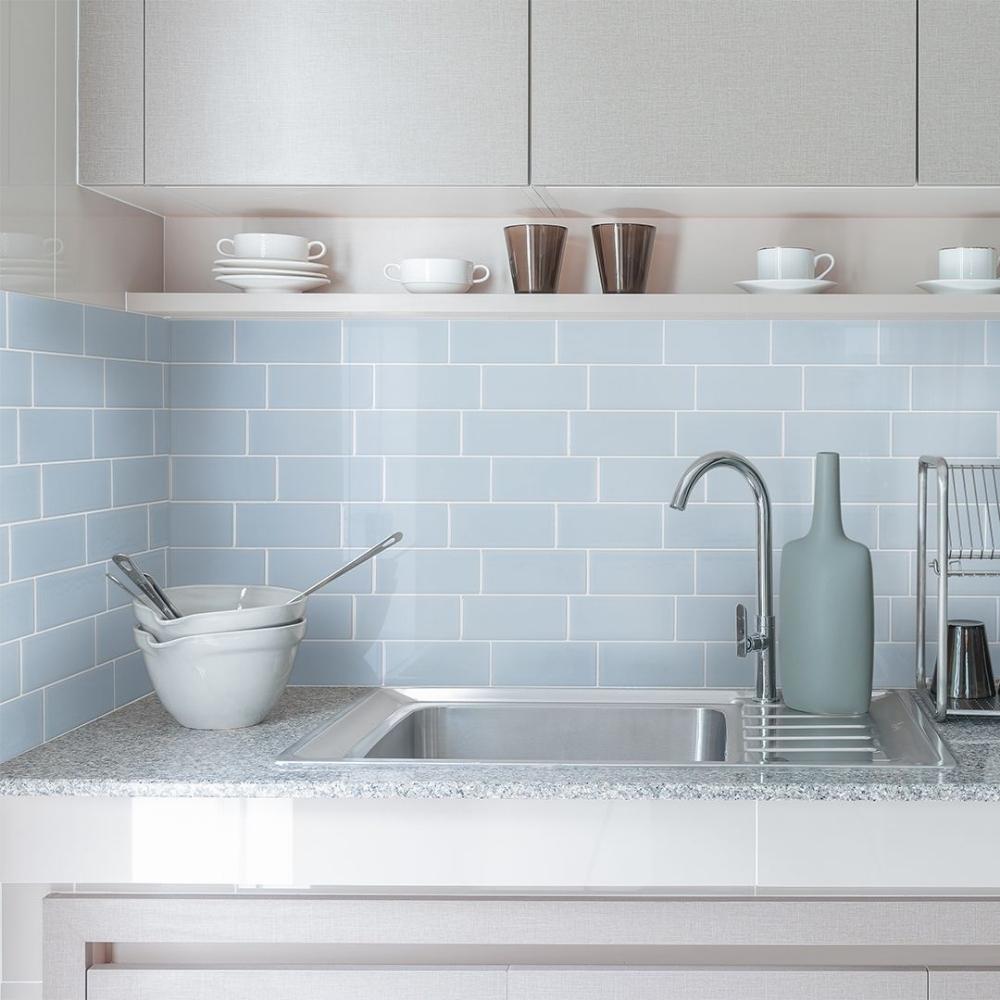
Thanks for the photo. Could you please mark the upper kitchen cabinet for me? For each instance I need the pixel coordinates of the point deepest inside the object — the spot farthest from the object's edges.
(727, 92)
(302, 92)
(959, 108)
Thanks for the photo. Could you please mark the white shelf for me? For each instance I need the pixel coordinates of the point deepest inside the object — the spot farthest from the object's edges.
(237, 305)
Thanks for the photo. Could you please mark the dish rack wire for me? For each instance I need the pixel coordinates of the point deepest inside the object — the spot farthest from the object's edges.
(968, 545)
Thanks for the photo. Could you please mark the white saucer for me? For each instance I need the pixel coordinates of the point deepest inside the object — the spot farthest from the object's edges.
(312, 266)
(793, 286)
(273, 282)
(961, 286)
(279, 271)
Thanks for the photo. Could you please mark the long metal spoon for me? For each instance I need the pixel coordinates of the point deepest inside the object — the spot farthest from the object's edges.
(135, 576)
(386, 543)
(162, 595)
(141, 598)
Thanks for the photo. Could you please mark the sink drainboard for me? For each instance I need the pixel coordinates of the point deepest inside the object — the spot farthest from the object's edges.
(777, 733)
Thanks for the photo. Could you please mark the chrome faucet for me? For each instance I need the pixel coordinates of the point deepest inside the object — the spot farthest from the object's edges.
(762, 640)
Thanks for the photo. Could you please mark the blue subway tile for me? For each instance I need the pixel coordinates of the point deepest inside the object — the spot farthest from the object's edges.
(217, 386)
(69, 596)
(437, 479)
(887, 480)
(423, 571)
(399, 617)
(68, 381)
(645, 572)
(194, 525)
(729, 388)
(72, 487)
(201, 340)
(428, 387)
(652, 664)
(15, 378)
(123, 530)
(789, 480)
(621, 433)
(437, 664)
(159, 524)
(813, 342)
(20, 493)
(503, 342)
(134, 383)
(586, 526)
(17, 610)
(641, 387)
(354, 478)
(223, 478)
(121, 433)
(287, 525)
(4, 554)
(958, 435)
(703, 526)
(519, 571)
(643, 478)
(535, 387)
(727, 572)
(724, 669)
(511, 432)
(61, 652)
(514, 617)
(300, 432)
(20, 725)
(396, 340)
(956, 388)
(599, 341)
(621, 617)
(8, 437)
(110, 333)
(545, 479)
(923, 342)
(300, 568)
(329, 617)
(322, 387)
(79, 700)
(208, 432)
(161, 431)
(141, 480)
(10, 666)
(707, 617)
(38, 324)
(131, 679)
(993, 343)
(873, 388)
(407, 432)
(157, 339)
(338, 663)
(45, 546)
(56, 435)
(114, 634)
(288, 340)
(500, 525)
(847, 433)
(545, 664)
(235, 566)
(748, 433)
(717, 342)
(422, 524)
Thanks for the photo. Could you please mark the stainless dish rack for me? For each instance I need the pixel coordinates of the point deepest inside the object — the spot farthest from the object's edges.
(968, 544)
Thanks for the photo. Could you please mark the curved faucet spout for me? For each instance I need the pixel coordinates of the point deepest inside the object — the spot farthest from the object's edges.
(763, 639)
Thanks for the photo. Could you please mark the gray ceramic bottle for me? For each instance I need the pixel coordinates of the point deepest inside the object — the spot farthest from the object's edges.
(826, 617)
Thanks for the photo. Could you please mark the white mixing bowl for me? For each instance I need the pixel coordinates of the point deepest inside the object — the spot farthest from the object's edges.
(223, 681)
(212, 608)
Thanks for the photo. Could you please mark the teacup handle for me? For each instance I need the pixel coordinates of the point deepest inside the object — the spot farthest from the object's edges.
(392, 277)
(485, 275)
(221, 247)
(322, 249)
(818, 258)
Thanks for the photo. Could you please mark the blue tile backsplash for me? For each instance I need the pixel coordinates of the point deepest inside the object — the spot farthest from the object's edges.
(529, 465)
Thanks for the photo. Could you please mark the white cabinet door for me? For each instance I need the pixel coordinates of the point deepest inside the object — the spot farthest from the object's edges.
(959, 118)
(336, 92)
(715, 984)
(964, 984)
(689, 92)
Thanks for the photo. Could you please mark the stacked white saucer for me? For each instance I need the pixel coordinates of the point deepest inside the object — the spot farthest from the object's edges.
(271, 262)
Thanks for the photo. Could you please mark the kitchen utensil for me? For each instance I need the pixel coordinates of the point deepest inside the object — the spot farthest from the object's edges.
(535, 253)
(791, 262)
(133, 596)
(137, 578)
(787, 286)
(436, 274)
(970, 673)
(273, 282)
(270, 246)
(386, 543)
(164, 600)
(213, 608)
(970, 263)
(227, 680)
(961, 286)
(624, 250)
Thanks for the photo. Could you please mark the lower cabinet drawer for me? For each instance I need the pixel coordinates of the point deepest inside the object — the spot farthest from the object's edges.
(122, 982)
(716, 984)
(964, 984)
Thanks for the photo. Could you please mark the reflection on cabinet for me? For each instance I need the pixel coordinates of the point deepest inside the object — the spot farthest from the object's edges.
(768, 92)
(964, 984)
(336, 92)
(959, 105)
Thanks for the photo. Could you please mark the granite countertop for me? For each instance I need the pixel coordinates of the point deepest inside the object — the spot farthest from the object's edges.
(140, 751)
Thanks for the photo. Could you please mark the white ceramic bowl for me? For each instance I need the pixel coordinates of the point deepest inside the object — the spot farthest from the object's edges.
(223, 681)
(210, 608)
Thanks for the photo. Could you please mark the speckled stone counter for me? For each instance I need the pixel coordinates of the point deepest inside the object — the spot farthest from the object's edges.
(140, 751)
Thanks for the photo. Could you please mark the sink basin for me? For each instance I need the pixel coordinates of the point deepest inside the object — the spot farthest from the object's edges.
(661, 727)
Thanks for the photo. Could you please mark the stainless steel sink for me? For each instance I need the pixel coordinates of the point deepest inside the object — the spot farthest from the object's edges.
(662, 727)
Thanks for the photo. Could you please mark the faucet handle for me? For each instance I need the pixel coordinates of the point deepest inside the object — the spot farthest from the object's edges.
(742, 642)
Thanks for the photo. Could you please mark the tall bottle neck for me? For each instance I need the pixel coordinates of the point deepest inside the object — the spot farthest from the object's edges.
(827, 516)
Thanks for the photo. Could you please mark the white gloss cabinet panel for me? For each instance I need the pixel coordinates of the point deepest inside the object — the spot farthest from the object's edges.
(336, 92)
(959, 105)
(732, 92)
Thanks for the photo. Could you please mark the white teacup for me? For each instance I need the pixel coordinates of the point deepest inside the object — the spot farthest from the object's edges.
(776, 263)
(436, 274)
(977, 263)
(272, 246)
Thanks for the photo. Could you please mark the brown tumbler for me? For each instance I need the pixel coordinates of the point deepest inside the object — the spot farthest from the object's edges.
(535, 252)
(624, 250)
